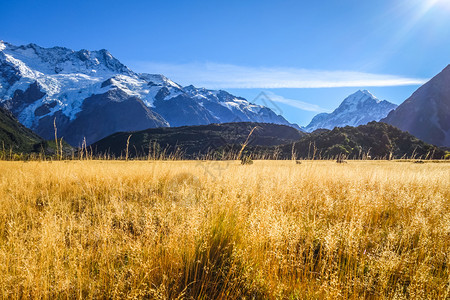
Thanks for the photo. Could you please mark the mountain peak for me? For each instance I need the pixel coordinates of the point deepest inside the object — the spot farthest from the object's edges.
(367, 93)
(159, 79)
(362, 94)
(357, 109)
(105, 52)
(61, 60)
(358, 97)
(32, 45)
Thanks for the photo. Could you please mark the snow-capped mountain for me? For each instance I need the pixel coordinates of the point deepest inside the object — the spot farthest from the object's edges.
(90, 94)
(357, 109)
(426, 114)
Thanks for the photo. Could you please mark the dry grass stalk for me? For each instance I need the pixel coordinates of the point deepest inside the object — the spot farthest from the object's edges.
(245, 143)
(128, 144)
(56, 138)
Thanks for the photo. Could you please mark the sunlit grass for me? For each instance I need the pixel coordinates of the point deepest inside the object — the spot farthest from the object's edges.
(187, 229)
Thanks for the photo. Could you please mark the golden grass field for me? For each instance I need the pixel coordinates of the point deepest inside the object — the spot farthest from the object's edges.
(211, 230)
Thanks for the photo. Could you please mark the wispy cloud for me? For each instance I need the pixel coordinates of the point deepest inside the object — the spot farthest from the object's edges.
(222, 76)
(294, 103)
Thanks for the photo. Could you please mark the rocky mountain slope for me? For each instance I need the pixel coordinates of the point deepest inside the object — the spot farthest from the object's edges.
(426, 114)
(357, 109)
(92, 95)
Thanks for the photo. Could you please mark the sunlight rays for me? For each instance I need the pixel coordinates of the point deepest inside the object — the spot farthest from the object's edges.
(414, 13)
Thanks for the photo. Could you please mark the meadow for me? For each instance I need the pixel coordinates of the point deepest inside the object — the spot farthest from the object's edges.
(222, 230)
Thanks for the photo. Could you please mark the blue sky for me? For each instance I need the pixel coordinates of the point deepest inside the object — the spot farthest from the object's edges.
(307, 55)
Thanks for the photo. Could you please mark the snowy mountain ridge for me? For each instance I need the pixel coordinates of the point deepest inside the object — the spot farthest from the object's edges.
(40, 84)
(357, 109)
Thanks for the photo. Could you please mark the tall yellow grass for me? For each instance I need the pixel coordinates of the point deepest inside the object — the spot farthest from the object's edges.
(179, 229)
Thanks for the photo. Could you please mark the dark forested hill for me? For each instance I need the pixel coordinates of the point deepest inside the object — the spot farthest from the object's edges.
(195, 140)
(14, 136)
(17, 139)
(374, 140)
